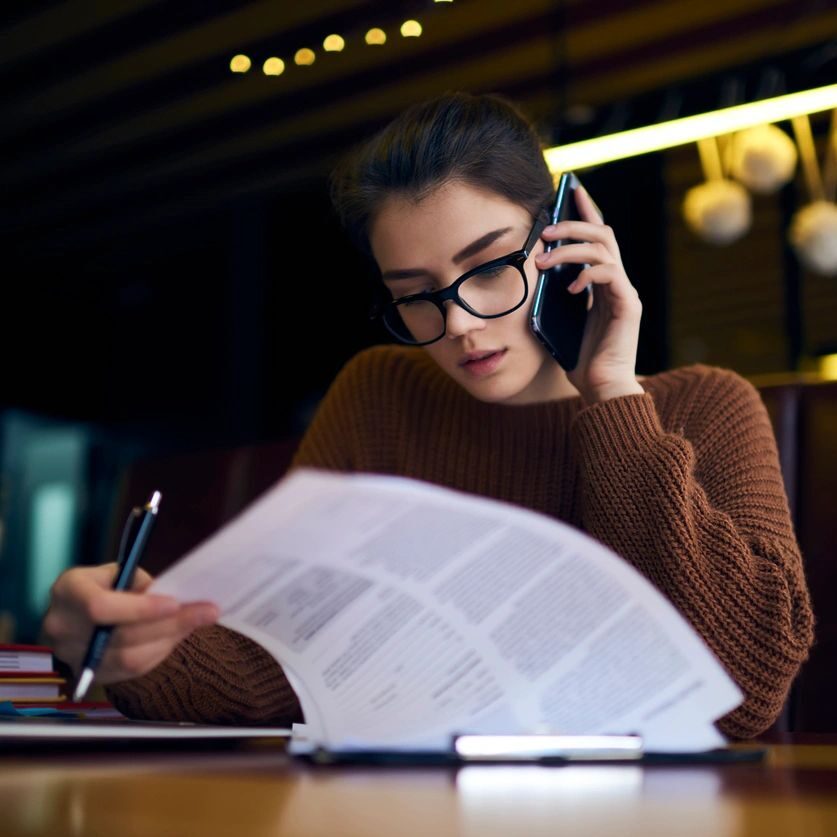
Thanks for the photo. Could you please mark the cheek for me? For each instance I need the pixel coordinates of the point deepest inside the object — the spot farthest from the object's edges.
(515, 331)
(523, 314)
(533, 348)
(532, 271)
(532, 275)
(442, 352)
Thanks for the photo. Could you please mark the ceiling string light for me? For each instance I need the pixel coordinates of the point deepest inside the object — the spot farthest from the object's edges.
(410, 29)
(333, 43)
(273, 67)
(240, 64)
(304, 57)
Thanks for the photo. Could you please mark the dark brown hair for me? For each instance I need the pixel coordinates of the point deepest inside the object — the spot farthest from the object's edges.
(484, 141)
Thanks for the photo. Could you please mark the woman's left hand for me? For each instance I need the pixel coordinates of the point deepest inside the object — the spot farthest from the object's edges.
(607, 361)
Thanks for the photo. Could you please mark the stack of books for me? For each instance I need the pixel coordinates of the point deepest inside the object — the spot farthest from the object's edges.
(27, 676)
(28, 681)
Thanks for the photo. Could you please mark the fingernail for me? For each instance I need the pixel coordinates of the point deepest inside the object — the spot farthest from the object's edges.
(208, 615)
(167, 606)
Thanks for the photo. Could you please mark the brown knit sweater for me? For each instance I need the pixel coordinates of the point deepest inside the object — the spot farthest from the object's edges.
(683, 482)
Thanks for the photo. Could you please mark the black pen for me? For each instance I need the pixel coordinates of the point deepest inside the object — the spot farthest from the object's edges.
(124, 576)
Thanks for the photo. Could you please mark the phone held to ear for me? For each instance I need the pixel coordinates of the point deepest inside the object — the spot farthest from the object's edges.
(558, 317)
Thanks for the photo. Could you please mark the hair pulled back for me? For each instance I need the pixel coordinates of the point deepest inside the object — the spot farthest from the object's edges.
(481, 140)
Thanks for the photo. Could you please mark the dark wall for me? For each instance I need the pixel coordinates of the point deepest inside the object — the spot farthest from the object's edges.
(230, 324)
(221, 327)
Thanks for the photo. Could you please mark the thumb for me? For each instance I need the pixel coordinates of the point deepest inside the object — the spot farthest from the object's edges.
(142, 580)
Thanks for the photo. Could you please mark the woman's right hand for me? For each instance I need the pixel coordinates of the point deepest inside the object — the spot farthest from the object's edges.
(147, 626)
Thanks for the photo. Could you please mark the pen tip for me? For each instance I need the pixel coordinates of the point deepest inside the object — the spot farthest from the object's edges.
(83, 685)
(154, 502)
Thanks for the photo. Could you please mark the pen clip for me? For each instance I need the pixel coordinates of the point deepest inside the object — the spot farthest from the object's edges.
(133, 516)
(136, 514)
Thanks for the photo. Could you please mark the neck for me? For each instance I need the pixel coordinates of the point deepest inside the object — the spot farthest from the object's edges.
(550, 384)
(563, 387)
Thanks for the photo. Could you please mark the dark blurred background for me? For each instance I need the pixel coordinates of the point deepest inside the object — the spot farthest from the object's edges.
(174, 279)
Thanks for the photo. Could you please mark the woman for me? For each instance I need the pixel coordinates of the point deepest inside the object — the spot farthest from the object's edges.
(678, 473)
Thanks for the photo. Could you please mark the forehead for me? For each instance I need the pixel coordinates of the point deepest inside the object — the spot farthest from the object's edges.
(409, 233)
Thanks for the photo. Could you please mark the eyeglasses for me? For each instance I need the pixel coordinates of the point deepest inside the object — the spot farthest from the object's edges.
(487, 291)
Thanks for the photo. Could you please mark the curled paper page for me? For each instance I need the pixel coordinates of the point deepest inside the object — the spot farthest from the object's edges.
(404, 613)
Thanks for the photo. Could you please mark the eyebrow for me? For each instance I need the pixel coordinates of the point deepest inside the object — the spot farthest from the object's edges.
(472, 249)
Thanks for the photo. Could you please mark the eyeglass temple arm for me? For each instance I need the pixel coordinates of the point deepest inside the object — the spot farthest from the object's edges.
(540, 222)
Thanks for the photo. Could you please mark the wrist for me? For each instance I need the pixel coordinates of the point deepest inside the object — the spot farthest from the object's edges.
(596, 395)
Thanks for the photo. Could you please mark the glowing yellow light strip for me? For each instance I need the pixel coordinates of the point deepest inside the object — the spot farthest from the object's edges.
(828, 367)
(579, 155)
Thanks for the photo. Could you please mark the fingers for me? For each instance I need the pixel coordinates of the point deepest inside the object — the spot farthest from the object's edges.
(148, 626)
(623, 296)
(136, 649)
(100, 576)
(133, 661)
(586, 207)
(579, 231)
(142, 580)
(583, 231)
(85, 591)
(189, 617)
(598, 250)
(598, 275)
(585, 253)
(603, 274)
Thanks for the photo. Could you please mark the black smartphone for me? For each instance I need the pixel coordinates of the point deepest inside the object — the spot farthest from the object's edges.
(558, 317)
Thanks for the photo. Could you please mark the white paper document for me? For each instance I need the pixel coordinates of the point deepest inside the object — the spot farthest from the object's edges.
(404, 613)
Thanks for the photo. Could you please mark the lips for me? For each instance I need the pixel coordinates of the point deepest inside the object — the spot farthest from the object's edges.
(481, 364)
(475, 356)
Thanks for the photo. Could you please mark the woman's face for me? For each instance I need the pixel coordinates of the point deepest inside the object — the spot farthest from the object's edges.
(427, 245)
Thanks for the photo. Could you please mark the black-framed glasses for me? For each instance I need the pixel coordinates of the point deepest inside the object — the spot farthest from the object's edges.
(487, 291)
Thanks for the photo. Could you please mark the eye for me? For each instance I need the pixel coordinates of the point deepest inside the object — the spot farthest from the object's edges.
(412, 303)
(413, 297)
(490, 275)
(493, 272)
(416, 290)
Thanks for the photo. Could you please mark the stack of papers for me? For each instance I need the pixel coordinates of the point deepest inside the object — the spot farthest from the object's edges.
(404, 613)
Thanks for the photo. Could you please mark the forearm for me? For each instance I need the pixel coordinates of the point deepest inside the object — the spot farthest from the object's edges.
(214, 676)
(732, 567)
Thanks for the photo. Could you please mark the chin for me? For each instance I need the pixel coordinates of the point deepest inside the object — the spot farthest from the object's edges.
(491, 391)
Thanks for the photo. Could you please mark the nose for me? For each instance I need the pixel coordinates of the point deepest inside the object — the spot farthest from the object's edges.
(460, 322)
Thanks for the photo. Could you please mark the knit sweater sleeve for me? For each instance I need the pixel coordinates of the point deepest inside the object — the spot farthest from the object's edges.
(217, 675)
(703, 514)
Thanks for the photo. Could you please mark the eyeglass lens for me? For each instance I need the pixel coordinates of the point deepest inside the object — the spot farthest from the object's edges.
(491, 292)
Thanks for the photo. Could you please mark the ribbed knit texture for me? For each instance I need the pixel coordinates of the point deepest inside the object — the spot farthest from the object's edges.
(683, 482)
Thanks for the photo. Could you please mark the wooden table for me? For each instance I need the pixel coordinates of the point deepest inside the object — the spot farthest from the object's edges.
(261, 792)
